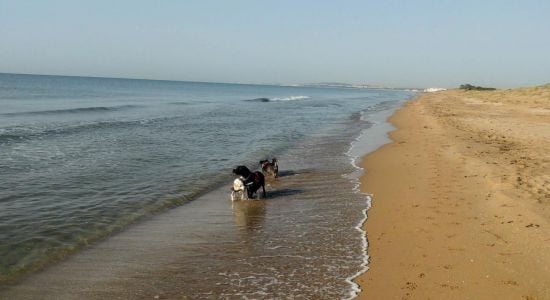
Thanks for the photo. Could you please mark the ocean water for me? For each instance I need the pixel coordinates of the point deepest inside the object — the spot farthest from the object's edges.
(90, 159)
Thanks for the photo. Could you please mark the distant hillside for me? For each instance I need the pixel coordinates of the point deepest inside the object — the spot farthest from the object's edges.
(355, 86)
(339, 85)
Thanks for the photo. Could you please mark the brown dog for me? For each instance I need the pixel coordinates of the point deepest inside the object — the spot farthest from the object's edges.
(270, 169)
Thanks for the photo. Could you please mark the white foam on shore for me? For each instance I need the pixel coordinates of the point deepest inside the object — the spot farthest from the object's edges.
(355, 288)
(368, 141)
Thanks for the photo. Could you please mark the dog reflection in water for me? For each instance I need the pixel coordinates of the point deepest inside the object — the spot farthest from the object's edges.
(249, 215)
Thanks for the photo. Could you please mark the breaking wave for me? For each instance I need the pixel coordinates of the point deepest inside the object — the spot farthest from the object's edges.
(289, 98)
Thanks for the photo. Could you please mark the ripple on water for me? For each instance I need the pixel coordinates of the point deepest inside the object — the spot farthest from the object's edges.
(301, 242)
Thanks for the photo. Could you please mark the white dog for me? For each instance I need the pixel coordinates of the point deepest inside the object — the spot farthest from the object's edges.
(239, 190)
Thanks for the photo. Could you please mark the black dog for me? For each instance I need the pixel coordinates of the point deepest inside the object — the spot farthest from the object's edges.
(253, 180)
(270, 169)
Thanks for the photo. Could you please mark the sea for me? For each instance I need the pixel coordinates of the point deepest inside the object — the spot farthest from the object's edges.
(119, 188)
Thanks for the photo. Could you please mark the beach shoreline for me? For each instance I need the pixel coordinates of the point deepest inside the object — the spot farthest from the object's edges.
(83, 164)
(461, 201)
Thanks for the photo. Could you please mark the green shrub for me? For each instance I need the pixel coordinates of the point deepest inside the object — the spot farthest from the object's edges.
(470, 87)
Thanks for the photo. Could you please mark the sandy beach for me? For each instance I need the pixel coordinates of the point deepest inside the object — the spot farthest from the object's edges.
(461, 199)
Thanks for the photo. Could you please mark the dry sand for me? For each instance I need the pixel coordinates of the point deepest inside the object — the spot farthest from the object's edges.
(461, 206)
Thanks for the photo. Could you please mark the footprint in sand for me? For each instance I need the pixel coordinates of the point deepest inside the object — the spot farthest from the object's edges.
(452, 287)
(410, 286)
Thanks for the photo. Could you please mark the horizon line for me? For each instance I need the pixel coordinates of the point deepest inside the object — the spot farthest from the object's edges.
(215, 82)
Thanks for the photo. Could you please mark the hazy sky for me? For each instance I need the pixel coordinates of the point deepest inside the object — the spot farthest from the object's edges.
(396, 43)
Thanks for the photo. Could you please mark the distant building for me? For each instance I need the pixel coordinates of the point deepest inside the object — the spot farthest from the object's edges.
(433, 90)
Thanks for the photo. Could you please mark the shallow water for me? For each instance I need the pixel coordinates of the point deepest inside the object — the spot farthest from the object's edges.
(300, 242)
(106, 152)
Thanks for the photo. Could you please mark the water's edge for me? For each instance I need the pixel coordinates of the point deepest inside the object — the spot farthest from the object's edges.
(359, 148)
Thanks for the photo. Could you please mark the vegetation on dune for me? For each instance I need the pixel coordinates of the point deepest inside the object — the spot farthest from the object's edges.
(470, 87)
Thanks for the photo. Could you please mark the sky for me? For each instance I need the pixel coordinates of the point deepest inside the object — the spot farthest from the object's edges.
(391, 43)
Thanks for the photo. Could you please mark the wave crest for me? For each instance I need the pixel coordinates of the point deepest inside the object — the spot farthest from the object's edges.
(19, 134)
(71, 110)
(289, 98)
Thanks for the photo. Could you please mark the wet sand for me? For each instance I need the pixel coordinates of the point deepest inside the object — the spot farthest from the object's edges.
(461, 206)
